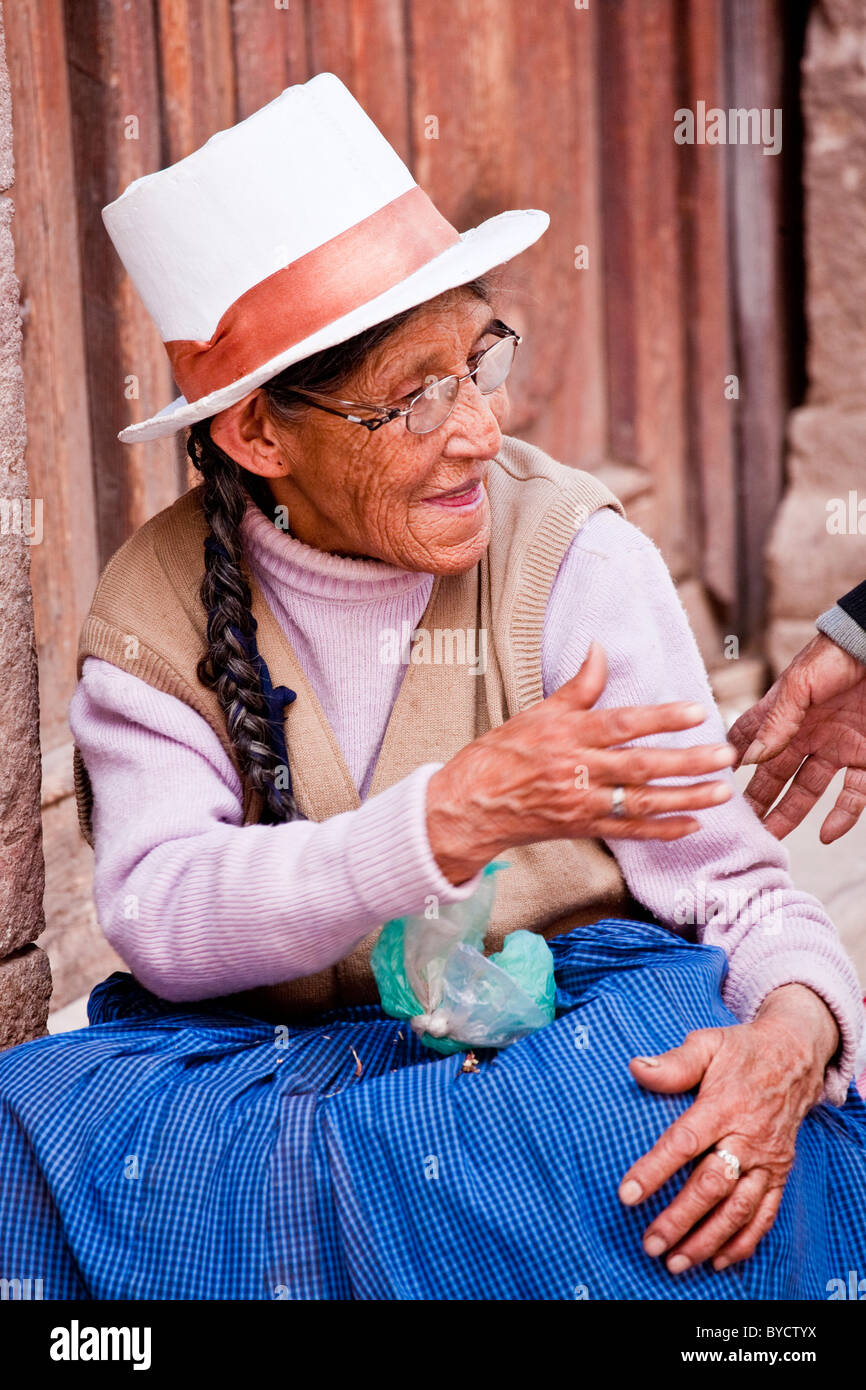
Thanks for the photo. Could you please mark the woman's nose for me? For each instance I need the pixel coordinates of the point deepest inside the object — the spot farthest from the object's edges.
(474, 424)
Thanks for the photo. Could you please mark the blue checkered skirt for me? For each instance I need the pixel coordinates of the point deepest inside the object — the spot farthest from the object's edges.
(189, 1151)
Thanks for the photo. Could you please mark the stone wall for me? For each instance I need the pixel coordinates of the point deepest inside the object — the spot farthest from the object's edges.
(25, 978)
(818, 547)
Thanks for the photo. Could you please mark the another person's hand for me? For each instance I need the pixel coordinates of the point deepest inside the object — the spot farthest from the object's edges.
(549, 774)
(816, 711)
(757, 1080)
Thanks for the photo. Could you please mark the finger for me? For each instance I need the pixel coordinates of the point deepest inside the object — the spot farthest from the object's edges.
(849, 805)
(782, 720)
(636, 766)
(605, 728)
(771, 778)
(643, 802)
(706, 1212)
(586, 686)
(683, 1141)
(659, 828)
(695, 1131)
(745, 1242)
(680, 1068)
(727, 1218)
(743, 731)
(812, 780)
(769, 783)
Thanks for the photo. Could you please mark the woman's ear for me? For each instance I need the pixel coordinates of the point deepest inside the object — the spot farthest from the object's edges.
(246, 433)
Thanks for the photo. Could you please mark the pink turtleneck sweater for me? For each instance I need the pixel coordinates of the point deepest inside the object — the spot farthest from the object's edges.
(198, 905)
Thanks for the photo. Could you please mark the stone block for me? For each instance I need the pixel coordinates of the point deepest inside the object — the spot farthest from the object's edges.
(826, 447)
(25, 991)
(842, 13)
(834, 114)
(807, 566)
(21, 880)
(7, 162)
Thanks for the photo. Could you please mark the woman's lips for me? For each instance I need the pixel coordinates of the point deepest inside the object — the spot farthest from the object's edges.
(467, 495)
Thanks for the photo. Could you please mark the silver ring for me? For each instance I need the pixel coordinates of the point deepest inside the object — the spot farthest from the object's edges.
(617, 805)
(732, 1163)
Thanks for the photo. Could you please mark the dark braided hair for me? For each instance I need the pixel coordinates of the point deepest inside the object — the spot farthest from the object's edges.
(232, 666)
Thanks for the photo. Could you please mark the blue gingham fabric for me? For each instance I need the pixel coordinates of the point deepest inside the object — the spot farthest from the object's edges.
(188, 1151)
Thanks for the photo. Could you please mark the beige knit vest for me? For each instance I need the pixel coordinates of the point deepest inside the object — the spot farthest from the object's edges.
(146, 617)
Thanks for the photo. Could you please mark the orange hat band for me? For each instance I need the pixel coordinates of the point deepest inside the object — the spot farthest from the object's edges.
(321, 286)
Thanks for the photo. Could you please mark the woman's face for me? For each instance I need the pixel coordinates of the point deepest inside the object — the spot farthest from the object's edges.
(418, 501)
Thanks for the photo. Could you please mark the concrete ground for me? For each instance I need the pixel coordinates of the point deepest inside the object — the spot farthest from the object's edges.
(70, 1017)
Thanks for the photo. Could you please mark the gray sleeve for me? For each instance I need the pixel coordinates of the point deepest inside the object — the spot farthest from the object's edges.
(844, 631)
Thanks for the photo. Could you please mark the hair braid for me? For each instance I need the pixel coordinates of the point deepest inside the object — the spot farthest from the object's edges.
(232, 666)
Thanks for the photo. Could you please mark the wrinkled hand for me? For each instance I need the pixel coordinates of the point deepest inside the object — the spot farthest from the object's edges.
(814, 715)
(757, 1080)
(548, 773)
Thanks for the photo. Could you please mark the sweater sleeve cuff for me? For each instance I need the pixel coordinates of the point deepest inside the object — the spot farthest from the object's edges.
(842, 629)
(854, 603)
(390, 858)
(744, 997)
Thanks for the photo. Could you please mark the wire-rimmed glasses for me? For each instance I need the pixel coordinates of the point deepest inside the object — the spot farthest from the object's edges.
(427, 409)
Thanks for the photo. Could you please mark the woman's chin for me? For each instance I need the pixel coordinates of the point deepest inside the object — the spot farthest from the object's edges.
(459, 539)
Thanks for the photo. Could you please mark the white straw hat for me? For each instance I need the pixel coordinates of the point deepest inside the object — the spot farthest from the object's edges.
(287, 233)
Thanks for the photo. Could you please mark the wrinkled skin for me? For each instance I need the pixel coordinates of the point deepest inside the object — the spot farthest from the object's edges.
(815, 711)
(516, 784)
(357, 493)
(367, 493)
(757, 1081)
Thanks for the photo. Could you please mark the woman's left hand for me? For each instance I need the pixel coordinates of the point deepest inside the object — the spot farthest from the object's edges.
(757, 1080)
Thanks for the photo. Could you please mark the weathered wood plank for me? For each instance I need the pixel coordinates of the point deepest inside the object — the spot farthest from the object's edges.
(365, 43)
(639, 67)
(63, 568)
(559, 153)
(270, 50)
(471, 124)
(116, 127)
(196, 66)
(196, 69)
(754, 37)
(712, 415)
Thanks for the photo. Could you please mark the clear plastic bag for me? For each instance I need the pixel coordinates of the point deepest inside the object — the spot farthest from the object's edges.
(432, 971)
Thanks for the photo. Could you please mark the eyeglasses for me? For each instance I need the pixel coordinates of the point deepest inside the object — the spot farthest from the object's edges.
(430, 407)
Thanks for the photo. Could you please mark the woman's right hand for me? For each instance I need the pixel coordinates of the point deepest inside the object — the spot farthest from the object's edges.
(549, 772)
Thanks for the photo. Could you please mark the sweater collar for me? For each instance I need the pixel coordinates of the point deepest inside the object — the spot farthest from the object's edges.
(282, 560)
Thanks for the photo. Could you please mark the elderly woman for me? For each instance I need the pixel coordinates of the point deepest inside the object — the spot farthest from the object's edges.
(265, 786)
